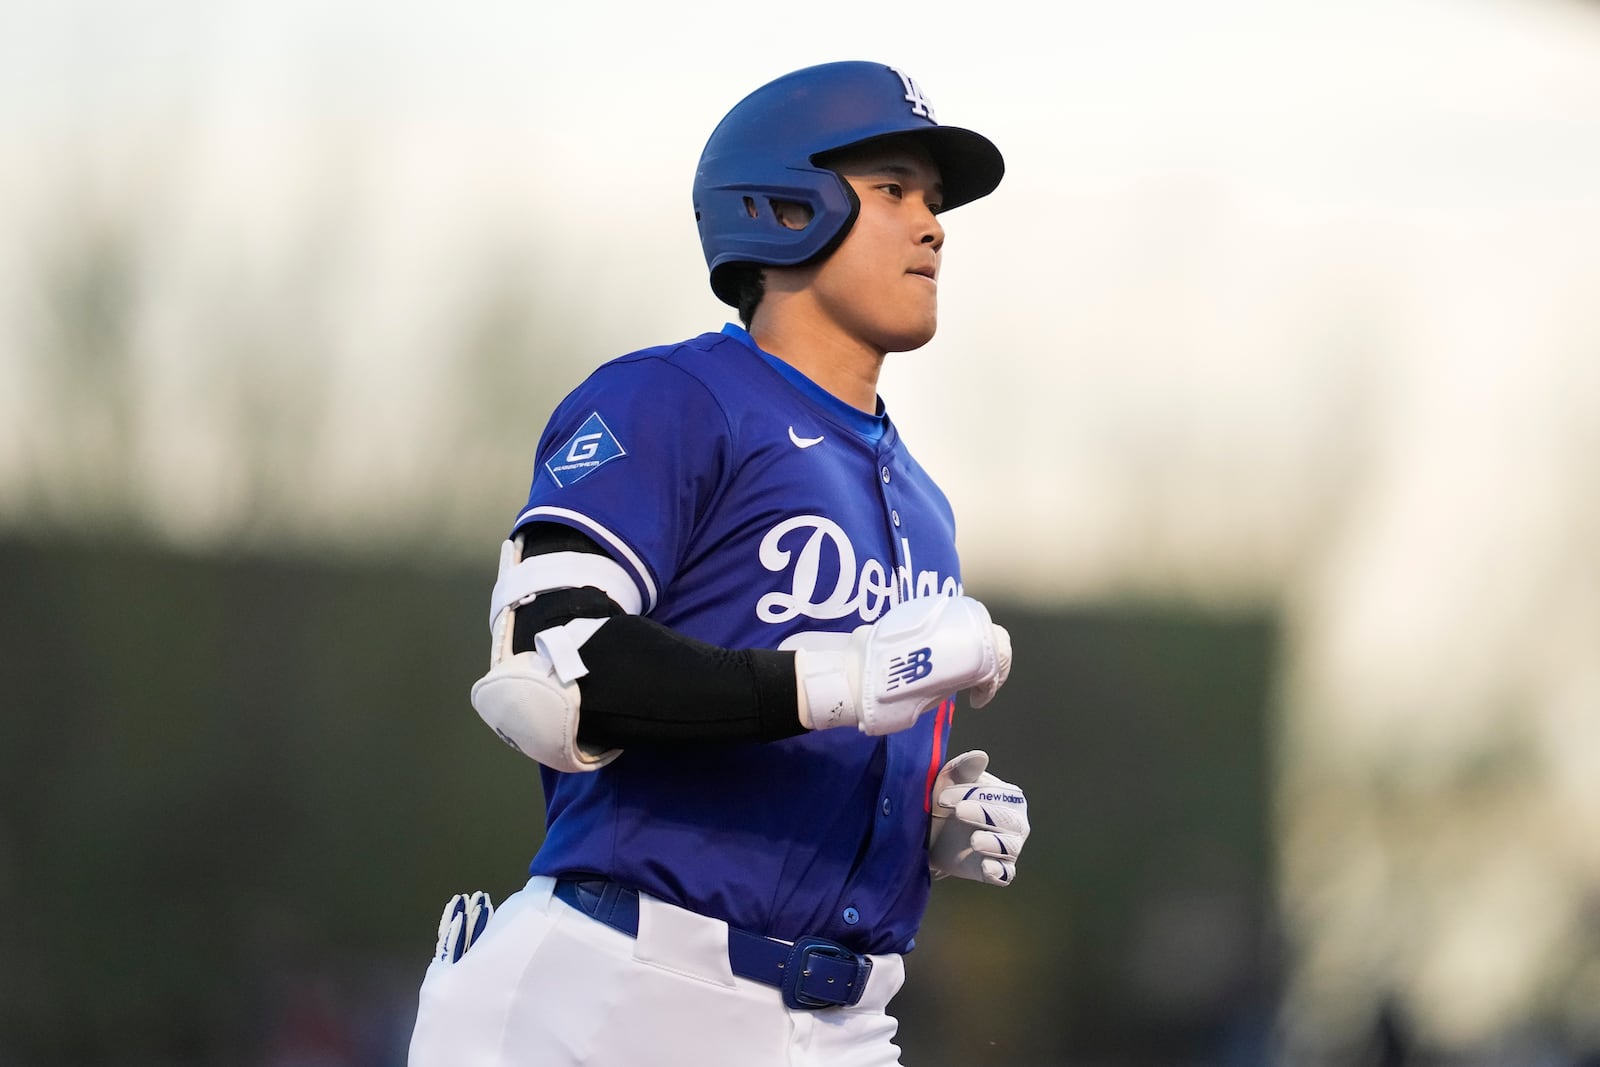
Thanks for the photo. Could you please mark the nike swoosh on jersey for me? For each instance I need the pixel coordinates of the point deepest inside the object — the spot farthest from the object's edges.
(803, 442)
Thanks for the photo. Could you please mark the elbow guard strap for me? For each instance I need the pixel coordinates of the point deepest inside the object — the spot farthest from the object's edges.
(521, 580)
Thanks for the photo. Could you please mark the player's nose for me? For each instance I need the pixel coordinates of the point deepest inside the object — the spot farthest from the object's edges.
(931, 232)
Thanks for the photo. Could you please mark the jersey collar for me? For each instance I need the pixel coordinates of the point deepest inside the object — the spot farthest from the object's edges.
(872, 427)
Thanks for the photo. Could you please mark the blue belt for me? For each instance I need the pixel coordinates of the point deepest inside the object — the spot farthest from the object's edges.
(811, 973)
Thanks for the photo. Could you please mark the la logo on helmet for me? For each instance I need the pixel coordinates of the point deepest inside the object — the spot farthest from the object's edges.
(921, 106)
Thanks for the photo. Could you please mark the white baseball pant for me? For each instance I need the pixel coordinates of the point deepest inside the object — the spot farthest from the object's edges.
(545, 985)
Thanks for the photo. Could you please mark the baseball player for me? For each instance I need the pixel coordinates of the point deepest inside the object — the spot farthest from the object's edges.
(730, 626)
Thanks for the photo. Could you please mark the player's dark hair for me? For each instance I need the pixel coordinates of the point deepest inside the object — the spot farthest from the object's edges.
(750, 284)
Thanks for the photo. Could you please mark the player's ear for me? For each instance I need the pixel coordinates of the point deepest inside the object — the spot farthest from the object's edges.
(791, 214)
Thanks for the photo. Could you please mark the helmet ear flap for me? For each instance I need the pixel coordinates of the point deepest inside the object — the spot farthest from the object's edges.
(724, 273)
(749, 227)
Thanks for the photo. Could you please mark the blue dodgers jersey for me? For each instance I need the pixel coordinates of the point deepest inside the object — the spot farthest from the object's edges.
(754, 510)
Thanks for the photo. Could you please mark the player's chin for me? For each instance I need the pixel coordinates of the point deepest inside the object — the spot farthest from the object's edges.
(912, 334)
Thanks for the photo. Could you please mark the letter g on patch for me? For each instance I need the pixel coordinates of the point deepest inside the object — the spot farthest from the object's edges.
(582, 454)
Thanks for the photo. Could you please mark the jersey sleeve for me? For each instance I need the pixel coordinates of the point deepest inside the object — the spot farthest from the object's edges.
(632, 457)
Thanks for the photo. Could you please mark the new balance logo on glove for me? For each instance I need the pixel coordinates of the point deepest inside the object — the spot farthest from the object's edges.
(889, 674)
(912, 667)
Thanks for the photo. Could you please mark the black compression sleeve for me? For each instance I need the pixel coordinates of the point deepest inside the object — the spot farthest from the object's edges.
(541, 537)
(648, 684)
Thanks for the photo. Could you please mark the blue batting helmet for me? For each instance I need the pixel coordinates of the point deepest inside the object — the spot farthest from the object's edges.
(766, 149)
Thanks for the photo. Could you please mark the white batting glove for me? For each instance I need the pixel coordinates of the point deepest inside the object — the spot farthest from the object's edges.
(979, 823)
(461, 924)
(891, 671)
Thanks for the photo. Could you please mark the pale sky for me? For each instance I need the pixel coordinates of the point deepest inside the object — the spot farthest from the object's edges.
(1221, 230)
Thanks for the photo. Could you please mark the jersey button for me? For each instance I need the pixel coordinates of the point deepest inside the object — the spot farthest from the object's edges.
(894, 517)
(885, 473)
(851, 916)
(887, 807)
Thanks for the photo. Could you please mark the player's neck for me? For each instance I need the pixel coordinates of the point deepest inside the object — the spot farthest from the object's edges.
(845, 366)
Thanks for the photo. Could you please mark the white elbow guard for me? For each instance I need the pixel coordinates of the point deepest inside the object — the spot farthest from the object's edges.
(525, 701)
(530, 699)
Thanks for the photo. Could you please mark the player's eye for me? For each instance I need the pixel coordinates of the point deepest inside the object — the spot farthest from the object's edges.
(893, 189)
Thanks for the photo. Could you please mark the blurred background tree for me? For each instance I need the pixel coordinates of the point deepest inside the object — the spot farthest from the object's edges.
(249, 784)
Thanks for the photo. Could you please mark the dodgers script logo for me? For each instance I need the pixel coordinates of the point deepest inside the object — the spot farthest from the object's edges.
(867, 589)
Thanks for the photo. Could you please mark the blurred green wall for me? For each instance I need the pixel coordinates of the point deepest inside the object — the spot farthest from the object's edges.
(234, 794)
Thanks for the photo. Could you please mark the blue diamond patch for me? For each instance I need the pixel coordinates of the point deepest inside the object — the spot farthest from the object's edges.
(584, 452)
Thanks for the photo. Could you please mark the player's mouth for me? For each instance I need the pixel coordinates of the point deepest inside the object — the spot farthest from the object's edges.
(928, 272)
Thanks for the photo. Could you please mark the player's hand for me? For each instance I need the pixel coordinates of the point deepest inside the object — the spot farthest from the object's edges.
(461, 924)
(979, 823)
(891, 671)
